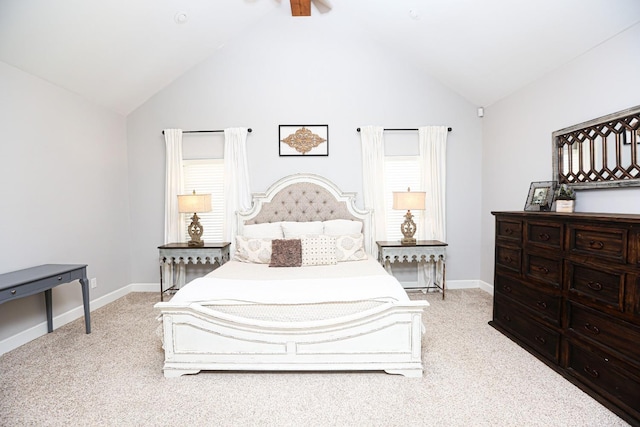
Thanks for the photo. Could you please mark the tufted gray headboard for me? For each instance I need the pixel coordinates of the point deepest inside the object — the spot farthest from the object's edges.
(305, 197)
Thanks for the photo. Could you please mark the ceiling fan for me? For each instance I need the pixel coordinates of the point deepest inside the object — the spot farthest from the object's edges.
(303, 7)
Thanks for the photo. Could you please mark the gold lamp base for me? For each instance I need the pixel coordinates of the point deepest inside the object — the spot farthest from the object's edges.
(195, 232)
(408, 229)
(408, 241)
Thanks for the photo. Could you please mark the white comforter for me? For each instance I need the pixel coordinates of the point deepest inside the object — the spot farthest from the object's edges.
(242, 283)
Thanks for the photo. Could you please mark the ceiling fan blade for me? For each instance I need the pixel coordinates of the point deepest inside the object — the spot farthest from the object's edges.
(300, 7)
(323, 6)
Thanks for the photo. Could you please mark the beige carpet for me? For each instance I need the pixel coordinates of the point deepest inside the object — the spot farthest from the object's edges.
(474, 377)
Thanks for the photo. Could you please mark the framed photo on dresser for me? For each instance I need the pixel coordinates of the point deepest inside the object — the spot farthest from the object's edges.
(540, 196)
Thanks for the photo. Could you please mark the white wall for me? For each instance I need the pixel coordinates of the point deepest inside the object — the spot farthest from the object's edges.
(517, 131)
(300, 71)
(64, 193)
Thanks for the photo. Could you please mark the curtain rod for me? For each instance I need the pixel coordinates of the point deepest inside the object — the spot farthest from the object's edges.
(207, 131)
(448, 129)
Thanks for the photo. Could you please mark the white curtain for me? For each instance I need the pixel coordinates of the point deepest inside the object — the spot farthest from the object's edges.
(372, 140)
(237, 189)
(433, 151)
(173, 187)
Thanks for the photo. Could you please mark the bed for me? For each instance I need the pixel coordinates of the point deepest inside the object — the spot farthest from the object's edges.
(344, 314)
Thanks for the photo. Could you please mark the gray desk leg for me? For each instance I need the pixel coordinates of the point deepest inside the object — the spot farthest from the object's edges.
(47, 303)
(85, 301)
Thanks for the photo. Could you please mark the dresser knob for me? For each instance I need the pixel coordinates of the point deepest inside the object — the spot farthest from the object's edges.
(59, 278)
(506, 288)
(13, 291)
(592, 328)
(542, 304)
(544, 236)
(540, 339)
(596, 244)
(591, 372)
(544, 270)
(508, 259)
(596, 286)
(508, 231)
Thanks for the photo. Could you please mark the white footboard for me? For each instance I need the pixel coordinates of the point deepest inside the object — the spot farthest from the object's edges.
(385, 338)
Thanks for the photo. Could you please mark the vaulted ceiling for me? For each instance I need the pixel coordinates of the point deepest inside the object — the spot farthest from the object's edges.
(118, 53)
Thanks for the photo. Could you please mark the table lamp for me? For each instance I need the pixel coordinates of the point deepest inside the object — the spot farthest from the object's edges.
(196, 203)
(408, 200)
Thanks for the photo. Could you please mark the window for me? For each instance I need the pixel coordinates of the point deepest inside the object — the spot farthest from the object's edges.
(206, 176)
(401, 172)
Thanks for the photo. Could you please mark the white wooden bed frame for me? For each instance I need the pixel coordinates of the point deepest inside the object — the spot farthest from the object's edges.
(385, 338)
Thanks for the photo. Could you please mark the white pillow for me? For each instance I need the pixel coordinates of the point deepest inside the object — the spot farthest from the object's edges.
(350, 247)
(257, 251)
(318, 250)
(340, 227)
(296, 229)
(267, 230)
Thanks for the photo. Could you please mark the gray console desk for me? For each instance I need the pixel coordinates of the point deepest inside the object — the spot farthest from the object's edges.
(43, 278)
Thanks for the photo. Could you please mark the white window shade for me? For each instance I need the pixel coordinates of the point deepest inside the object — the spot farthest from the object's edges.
(206, 177)
(401, 172)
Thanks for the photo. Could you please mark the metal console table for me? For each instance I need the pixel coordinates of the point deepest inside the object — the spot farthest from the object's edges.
(215, 254)
(432, 252)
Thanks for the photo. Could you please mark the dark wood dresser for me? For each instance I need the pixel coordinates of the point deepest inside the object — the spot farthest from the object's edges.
(567, 289)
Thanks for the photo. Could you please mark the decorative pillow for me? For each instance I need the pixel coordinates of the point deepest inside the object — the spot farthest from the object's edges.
(296, 229)
(319, 250)
(267, 230)
(340, 227)
(286, 253)
(350, 247)
(257, 251)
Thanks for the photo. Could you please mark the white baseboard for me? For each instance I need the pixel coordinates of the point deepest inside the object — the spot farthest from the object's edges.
(487, 287)
(458, 284)
(40, 329)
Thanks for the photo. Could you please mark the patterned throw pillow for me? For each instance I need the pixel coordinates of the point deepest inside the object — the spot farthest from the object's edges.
(350, 248)
(319, 250)
(257, 251)
(286, 253)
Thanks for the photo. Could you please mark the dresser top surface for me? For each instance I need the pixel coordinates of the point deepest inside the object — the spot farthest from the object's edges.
(598, 216)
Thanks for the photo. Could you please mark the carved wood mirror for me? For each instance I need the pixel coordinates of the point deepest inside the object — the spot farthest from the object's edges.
(600, 153)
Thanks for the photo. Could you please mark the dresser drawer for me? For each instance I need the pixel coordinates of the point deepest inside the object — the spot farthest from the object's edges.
(604, 330)
(509, 229)
(597, 284)
(609, 243)
(542, 339)
(540, 303)
(546, 270)
(608, 376)
(509, 258)
(545, 234)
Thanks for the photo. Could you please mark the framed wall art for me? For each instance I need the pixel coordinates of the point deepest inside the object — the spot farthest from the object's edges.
(303, 140)
(540, 196)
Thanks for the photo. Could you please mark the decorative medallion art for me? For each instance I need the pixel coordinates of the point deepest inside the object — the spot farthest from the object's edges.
(304, 140)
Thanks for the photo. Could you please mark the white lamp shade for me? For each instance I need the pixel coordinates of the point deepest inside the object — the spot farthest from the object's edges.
(408, 200)
(194, 203)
